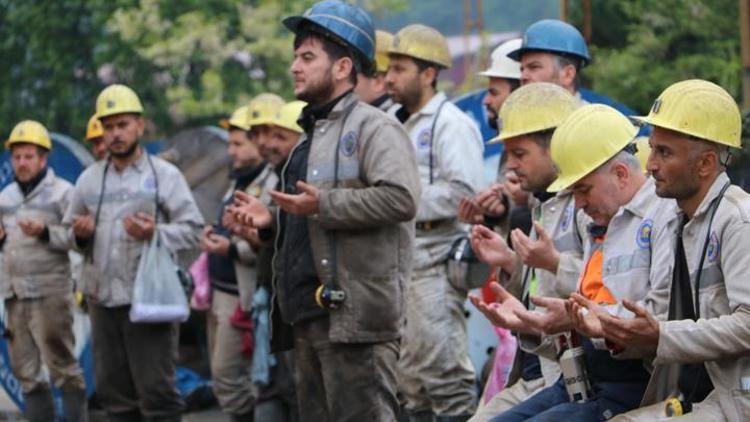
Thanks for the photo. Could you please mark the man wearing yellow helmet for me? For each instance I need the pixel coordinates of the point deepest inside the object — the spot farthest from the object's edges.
(113, 213)
(549, 260)
(95, 136)
(702, 325)
(277, 400)
(609, 185)
(449, 155)
(232, 273)
(36, 282)
(285, 133)
(371, 87)
(261, 112)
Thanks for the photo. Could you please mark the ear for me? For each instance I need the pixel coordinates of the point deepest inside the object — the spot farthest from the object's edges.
(622, 172)
(342, 68)
(708, 163)
(568, 75)
(141, 125)
(426, 76)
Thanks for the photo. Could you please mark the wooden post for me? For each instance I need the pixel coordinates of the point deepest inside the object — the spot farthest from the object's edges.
(564, 10)
(587, 20)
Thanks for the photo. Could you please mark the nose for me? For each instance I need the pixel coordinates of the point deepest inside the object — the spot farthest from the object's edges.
(651, 166)
(294, 67)
(580, 200)
(487, 99)
(512, 163)
(389, 78)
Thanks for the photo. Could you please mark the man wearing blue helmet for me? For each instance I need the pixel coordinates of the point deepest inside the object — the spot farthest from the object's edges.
(555, 51)
(344, 228)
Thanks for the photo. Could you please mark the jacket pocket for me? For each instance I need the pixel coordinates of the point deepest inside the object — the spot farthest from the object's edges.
(377, 303)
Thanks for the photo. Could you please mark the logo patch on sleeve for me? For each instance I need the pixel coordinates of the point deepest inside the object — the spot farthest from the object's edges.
(424, 138)
(643, 237)
(348, 143)
(713, 252)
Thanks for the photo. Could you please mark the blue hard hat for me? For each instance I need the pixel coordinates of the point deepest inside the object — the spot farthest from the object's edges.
(554, 36)
(350, 23)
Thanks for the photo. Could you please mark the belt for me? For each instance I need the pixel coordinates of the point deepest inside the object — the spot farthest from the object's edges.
(429, 225)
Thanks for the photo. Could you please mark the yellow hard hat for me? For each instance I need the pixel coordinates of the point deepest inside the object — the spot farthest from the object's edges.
(587, 139)
(288, 115)
(383, 41)
(644, 150)
(423, 43)
(29, 132)
(263, 108)
(698, 108)
(238, 119)
(117, 99)
(534, 108)
(94, 128)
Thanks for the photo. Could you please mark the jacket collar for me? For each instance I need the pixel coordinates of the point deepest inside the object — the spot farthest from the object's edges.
(643, 199)
(48, 179)
(429, 109)
(713, 193)
(140, 164)
(343, 104)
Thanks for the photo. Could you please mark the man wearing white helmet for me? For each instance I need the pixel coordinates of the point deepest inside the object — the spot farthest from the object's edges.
(490, 205)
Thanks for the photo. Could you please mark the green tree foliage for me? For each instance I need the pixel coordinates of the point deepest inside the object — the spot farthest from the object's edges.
(46, 63)
(640, 46)
(191, 61)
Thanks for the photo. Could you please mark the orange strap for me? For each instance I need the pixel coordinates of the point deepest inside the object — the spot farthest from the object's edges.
(591, 282)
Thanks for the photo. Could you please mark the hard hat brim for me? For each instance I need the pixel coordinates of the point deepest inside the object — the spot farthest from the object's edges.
(561, 184)
(495, 140)
(516, 54)
(293, 23)
(490, 74)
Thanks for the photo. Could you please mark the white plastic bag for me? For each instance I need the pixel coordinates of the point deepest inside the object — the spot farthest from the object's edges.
(158, 295)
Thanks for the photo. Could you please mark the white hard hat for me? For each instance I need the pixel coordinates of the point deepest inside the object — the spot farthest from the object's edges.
(501, 66)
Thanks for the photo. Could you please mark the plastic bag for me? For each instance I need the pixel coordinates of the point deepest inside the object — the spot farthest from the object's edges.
(201, 297)
(158, 295)
(504, 355)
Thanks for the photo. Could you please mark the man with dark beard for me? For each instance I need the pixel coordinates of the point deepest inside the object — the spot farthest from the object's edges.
(345, 228)
(112, 214)
(449, 156)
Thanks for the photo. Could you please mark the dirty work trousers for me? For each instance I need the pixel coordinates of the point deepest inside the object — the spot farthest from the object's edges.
(435, 372)
(340, 382)
(135, 366)
(230, 369)
(41, 332)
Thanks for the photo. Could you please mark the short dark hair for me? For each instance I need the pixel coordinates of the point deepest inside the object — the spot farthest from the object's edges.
(423, 65)
(43, 152)
(333, 46)
(543, 138)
